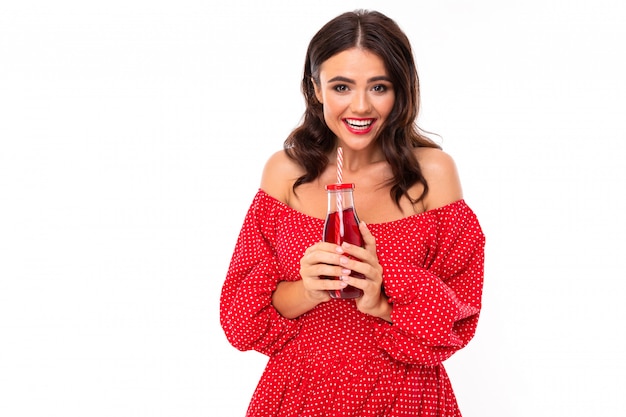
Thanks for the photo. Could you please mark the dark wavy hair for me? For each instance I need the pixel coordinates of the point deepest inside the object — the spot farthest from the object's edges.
(310, 143)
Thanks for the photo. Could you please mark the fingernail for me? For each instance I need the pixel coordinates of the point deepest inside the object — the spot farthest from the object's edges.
(339, 249)
(346, 272)
(345, 245)
(343, 260)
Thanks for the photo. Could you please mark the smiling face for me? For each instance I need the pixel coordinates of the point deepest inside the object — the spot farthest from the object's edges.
(357, 96)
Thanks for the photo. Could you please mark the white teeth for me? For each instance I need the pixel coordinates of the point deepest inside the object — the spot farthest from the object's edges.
(359, 123)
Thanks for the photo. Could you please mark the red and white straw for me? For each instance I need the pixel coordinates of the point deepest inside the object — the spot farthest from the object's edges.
(339, 165)
(339, 195)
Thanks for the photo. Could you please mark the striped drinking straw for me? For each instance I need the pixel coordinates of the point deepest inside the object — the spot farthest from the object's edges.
(339, 195)
(339, 216)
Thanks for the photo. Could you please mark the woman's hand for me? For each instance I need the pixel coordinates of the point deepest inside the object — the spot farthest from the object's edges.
(294, 298)
(373, 302)
(322, 259)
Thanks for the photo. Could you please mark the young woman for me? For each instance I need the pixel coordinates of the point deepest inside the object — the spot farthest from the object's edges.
(421, 264)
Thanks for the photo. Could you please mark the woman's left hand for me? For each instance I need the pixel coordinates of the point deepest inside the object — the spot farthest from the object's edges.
(373, 302)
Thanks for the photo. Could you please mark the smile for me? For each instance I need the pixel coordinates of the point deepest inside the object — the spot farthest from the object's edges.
(359, 125)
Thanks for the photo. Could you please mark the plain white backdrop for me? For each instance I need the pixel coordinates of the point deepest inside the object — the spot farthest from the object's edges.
(133, 134)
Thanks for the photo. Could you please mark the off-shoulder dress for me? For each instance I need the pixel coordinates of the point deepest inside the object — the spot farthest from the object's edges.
(335, 360)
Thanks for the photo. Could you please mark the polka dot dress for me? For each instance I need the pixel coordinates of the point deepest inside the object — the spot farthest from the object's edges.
(335, 360)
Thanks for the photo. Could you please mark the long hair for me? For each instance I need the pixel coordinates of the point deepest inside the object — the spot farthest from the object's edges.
(310, 143)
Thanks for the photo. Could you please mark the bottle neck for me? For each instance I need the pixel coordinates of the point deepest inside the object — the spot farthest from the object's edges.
(340, 200)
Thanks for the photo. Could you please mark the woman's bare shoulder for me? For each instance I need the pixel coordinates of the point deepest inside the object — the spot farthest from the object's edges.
(440, 172)
(279, 174)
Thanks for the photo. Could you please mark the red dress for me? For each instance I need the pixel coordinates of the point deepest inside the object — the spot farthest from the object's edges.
(335, 360)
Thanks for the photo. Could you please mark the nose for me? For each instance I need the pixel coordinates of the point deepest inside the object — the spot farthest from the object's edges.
(361, 103)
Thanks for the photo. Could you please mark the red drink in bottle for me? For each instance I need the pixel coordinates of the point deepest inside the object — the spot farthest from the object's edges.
(342, 225)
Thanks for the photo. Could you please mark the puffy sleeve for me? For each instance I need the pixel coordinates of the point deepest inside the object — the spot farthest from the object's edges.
(247, 316)
(436, 301)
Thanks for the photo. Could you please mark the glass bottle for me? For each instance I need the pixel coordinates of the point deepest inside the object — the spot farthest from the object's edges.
(342, 225)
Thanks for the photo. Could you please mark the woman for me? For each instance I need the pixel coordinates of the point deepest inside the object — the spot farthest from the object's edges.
(380, 354)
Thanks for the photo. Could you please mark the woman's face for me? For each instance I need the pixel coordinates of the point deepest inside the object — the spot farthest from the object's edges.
(357, 96)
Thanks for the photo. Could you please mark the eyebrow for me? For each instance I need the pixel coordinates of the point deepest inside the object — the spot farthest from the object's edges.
(350, 81)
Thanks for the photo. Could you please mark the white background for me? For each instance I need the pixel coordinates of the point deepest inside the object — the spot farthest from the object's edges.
(133, 134)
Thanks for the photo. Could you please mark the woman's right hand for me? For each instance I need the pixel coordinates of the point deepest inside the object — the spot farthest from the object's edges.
(322, 259)
(294, 298)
